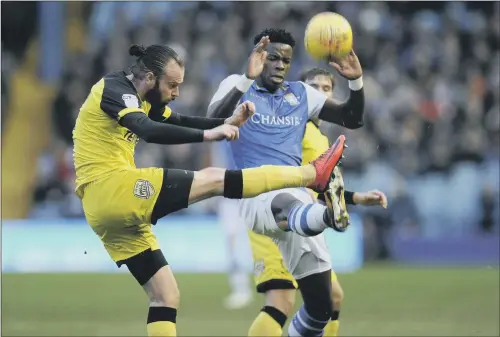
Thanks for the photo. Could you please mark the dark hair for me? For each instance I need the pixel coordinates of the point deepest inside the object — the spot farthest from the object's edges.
(312, 73)
(276, 35)
(153, 58)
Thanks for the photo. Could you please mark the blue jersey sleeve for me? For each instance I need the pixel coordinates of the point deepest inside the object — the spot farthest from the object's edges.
(315, 101)
(225, 86)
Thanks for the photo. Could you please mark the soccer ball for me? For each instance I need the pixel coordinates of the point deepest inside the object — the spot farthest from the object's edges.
(328, 34)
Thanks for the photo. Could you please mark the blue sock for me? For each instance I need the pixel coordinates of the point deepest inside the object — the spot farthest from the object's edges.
(307, 219)
(303, 325)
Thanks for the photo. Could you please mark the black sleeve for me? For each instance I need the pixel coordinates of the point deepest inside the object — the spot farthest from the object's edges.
(349, 197)
(225, 107)
(159, 133)
(348, 114)
(118, 99)
(157, 114)
(202, 123)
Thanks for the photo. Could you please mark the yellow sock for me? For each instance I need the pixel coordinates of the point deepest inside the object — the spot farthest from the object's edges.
(269, 178)
(332, 329)
(265, 325)
(161, 321)
(162, 328)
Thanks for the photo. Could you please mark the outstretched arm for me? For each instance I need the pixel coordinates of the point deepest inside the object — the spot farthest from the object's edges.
(195, 122)
(161, 133)
(172, 128)
(122, 104)
(237, 117)
(348, 114)
(203, 123)
(164, 114)
(370, 198)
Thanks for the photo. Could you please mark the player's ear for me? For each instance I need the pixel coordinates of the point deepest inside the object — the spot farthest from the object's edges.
(150, 79)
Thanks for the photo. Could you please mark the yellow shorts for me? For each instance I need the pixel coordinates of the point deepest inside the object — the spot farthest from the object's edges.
(119, 207)
(270, 271)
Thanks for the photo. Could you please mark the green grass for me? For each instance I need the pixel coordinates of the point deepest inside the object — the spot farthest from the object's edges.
(380, 301)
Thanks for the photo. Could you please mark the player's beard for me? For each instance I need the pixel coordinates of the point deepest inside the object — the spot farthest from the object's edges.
(153, 96)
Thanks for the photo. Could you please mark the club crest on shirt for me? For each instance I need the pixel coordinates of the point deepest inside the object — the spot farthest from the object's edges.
(130, 101)
(143, 189)
(291, 99)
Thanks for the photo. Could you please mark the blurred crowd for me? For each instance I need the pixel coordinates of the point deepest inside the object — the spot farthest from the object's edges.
(431, 74)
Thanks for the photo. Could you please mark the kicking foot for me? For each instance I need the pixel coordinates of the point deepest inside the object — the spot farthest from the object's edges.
(337, 215)
(325, 164)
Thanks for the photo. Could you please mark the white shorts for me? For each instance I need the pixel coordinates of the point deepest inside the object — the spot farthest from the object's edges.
(303, 256)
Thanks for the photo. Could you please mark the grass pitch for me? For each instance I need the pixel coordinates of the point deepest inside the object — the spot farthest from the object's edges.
(380, 301)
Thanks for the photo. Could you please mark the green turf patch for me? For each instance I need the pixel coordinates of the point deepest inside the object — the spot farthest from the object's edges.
(380, 301)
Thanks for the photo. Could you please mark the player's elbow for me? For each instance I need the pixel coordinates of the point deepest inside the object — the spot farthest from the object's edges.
(212, 111)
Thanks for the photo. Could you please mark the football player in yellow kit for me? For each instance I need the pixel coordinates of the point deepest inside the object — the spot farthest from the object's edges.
(271, 276)
(122, 202)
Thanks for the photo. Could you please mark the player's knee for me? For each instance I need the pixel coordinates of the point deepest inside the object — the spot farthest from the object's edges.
(162, 289)
(313, 289)
(166, 296)
(321, 307)
(281, 299)
(210, 180)
(337, 298)
(281, 206)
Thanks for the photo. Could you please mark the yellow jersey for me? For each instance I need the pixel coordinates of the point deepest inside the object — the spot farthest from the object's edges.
(101, 145)
(314, 143)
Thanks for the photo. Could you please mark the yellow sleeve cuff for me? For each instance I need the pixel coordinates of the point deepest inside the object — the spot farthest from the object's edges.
(129, 110)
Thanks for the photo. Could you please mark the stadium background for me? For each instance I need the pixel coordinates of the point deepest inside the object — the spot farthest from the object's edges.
(427, 266)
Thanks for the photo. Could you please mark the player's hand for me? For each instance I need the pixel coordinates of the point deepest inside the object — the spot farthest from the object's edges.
(370, 198)
(224, 131)
(348, 67)
(257, 58)
(242, 113)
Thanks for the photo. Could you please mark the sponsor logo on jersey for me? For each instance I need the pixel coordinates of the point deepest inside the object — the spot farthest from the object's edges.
(276, 120)
(143, 189)
(130, 101)
(291, 99)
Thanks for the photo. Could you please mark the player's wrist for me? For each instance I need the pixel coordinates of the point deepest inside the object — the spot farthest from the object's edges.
(207, 135)
(245, 83)
(356, 84)
(229, 120)
(351, 198)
